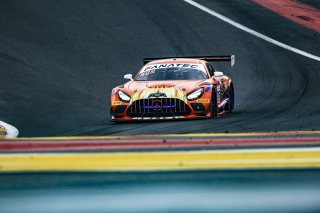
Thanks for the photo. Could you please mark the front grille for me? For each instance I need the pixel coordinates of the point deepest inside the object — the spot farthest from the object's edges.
(158, 107)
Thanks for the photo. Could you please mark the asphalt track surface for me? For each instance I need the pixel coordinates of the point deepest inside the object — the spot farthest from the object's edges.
(60, 59)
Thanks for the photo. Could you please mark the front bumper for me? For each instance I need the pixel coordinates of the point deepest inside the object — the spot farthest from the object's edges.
(160, 109)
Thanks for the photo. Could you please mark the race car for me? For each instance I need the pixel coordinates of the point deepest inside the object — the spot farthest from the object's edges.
(174, 88)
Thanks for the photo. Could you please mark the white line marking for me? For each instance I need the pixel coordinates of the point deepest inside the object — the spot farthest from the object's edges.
(11, 131)
(252, 32)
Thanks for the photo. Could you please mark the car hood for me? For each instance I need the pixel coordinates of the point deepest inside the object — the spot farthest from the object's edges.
(160, 89)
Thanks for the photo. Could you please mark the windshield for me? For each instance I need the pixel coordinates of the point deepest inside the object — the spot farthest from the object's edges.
(160, 72)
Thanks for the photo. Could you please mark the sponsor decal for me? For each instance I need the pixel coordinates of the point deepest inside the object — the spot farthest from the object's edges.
(157, 95)
(151, 69)
(208, 88)
(116, 103)
(146, 72)
(159, 92)
(203, 101)
(159, 66)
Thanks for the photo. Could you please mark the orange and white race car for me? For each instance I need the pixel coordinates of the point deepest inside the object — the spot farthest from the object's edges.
(174, 88)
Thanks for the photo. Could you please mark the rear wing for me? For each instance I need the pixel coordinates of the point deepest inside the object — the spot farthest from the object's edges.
(230, 58)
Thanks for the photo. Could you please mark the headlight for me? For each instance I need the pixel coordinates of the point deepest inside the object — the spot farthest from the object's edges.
(195, 94)
(123, 96)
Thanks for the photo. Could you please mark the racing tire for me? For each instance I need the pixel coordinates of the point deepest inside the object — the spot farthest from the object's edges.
(214, 109)
(230, 95)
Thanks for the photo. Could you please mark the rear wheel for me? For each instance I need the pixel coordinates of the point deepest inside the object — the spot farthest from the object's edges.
(230, 95)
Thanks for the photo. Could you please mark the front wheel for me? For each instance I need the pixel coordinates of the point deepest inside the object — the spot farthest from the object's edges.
(213, 104)
(230, 95)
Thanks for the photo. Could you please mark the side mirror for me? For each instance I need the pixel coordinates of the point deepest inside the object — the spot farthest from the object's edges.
(128, 76)
(218, 74)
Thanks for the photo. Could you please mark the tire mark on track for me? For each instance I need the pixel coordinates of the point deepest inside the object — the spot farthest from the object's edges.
(296, 11)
